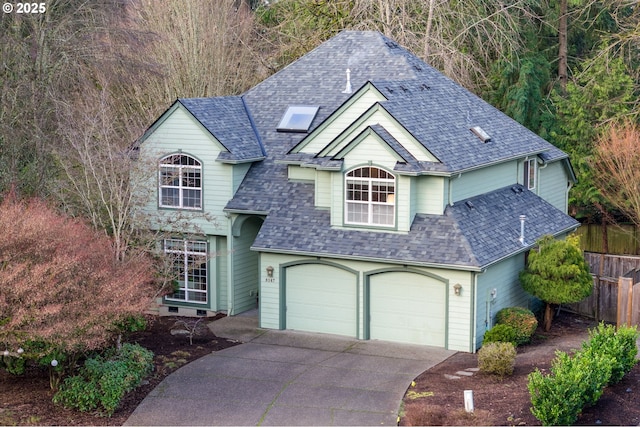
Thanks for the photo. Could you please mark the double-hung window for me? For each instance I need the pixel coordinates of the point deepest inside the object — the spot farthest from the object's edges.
(180, 182)
(370, 197)
(530, 173)
(189, 260)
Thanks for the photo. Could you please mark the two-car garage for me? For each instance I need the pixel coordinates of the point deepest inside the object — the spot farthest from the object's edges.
(393, 305)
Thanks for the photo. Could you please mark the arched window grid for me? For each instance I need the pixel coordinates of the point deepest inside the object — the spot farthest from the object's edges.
(180, 178)
(370, 197)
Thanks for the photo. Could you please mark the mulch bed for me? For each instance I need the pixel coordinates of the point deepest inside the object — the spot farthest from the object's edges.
(437, 400)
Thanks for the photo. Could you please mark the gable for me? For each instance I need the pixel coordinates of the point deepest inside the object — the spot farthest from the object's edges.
(377, 115)
(370, 146)
(178, 129)
(353, 108)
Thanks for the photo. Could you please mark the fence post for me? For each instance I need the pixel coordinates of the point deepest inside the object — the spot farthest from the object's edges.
(635, 306)
(625, 293)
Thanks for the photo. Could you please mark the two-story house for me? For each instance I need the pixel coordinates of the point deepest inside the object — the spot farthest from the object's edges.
(357, 192)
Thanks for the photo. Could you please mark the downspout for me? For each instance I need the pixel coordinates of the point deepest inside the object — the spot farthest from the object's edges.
(230, 274)
(474, 309)
(451, 188)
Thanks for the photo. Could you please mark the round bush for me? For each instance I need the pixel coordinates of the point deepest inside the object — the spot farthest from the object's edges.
(501, 333)
(497, 358)
(521, 319)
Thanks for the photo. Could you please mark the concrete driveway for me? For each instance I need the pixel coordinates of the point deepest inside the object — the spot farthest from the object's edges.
(288, 378)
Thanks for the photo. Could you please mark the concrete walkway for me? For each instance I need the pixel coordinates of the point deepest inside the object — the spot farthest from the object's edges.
(288, 378)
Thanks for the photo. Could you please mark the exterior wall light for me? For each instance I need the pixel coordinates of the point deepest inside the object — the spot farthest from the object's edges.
(270, 272)
(457, 289)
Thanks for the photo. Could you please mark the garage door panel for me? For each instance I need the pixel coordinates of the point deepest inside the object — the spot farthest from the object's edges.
(321, 298)
(407, 307)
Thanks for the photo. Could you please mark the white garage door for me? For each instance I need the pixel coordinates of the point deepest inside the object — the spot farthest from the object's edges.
(407, 307)
(321, 298)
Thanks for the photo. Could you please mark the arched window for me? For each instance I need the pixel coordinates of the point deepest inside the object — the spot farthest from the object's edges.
(370, 197)
(180, 179)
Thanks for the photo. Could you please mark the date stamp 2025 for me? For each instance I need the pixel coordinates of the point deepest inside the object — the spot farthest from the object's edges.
(24, 8)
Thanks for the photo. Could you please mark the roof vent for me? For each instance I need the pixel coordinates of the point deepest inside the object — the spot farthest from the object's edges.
(424, 86)
(469, 204)
(522, 219)
(516, 190)
(348, 88)
(480, 133)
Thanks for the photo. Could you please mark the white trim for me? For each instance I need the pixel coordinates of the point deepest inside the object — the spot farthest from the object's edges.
(179, 172)
(365, 188)
(185, 249)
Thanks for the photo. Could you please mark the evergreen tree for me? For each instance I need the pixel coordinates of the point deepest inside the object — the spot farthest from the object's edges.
(557, 273)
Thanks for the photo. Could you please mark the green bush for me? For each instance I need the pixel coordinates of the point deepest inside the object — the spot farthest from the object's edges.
(574, 383)
(521, 319)
(579, 381)
(501, 333)
(497, 358)
(104, 380)
(620, 345)
(15, 365)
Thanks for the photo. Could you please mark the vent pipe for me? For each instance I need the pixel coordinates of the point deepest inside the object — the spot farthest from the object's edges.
(522, 219)
(348, 88)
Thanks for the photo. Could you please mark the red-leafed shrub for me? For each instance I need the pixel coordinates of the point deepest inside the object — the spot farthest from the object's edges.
(61, 287)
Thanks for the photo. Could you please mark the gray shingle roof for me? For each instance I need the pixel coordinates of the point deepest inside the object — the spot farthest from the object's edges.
(438, 113)
(464, 236)
(228, 121)
(441, 117)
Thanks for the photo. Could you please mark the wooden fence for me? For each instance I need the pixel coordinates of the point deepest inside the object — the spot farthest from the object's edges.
(621, 238)
(605, 299)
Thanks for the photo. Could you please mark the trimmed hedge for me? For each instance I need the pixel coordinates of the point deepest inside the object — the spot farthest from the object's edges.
(577, 382)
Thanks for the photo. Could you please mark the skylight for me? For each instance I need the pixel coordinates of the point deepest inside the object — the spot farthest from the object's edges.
(297, 118)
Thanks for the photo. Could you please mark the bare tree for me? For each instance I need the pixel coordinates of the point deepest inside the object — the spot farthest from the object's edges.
(617, 172)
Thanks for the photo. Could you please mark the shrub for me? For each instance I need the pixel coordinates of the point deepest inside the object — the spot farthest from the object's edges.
(501, 333)
(497, 358)
(521, 319)
(620, 345)
(574, 383)
(104, 380)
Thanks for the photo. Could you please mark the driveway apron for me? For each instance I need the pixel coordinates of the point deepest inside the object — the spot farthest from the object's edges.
(288, 378)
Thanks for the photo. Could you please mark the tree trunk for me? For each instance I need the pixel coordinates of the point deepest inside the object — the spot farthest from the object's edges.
(562, 45)
(427, 34)
(548, 317)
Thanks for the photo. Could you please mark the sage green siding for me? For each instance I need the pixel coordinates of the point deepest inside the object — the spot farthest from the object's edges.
(553, 185)
(504, 278)
(245, 266)
(371, 150)
(347, 116)
(430, 195)
(400, 134)
(458, 309)
(484, 180)
(323, 189)
(180, 132)
(222, 276)
(297, 173)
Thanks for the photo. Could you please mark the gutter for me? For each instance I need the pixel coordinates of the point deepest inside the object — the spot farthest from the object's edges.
(528, 247)
(368, 259)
